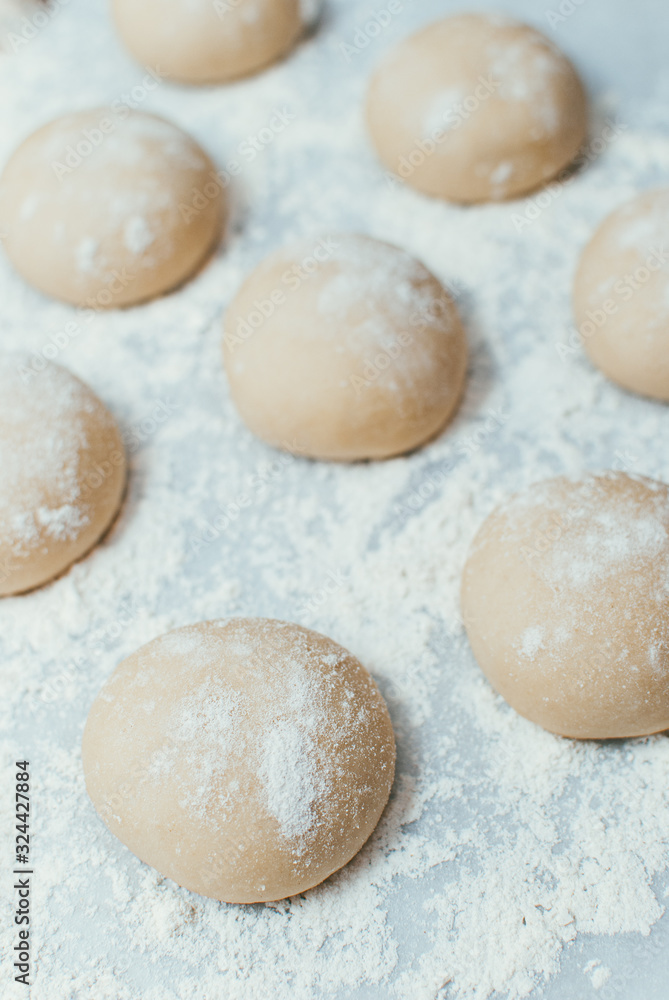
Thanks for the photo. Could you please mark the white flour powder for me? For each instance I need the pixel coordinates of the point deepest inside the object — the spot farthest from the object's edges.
(504, 849)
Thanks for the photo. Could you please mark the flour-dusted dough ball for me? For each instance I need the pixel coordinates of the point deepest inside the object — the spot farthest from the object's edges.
(246, 759)
(345, 349)
(476, 108)
(103, 210)
(621, 295)
(62, 472)
(565, 596)
(208, 41)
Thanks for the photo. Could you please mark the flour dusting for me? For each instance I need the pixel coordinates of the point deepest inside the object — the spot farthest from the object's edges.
(508, 858)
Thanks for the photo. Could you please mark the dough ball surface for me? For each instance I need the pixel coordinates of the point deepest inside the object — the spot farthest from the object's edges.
(207, 41)
(99, 208)
(246, 759)
(62, 472)
(476, 108)
(621, 295)
(346, 349)
(565, 597)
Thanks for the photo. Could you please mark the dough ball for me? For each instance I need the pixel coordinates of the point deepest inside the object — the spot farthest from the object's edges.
(62, 472)
(476, 108)
(621, 295)
(565, 597)
(106, 211)
(246, 759)
(205, 41)
(344, 349)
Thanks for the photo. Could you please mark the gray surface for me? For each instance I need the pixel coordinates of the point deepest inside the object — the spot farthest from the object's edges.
(620, 49)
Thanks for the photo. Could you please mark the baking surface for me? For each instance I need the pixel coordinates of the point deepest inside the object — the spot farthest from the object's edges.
(510, 863)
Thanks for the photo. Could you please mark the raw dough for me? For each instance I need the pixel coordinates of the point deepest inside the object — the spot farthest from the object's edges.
(475, 108)
(246, 759)
(565, 597)
(62, 472)
(621, 295)
(201, 41)
(346, 348)
(106, 209)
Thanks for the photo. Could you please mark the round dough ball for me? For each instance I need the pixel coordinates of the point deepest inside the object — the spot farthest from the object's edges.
(345, 349)
(566, 604)
(207, 41)
(246, 759)
(62, 472)
(476, 108)
(621, 295)
(105, 211)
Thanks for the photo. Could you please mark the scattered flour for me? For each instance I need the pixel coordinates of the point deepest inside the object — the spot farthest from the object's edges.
(506, 855)
(137, 235)
(43, 435)
(531, 640)
(598, 973)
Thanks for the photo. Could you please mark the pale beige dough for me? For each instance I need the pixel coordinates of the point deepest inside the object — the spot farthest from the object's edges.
(475, 108)
(621, 295)
(98, 207)
(565, 597)
(344, 348)
(246, 759)
(208, 41)
(62, 472)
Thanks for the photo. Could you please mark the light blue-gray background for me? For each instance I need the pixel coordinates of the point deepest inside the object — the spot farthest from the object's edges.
(620, 48)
